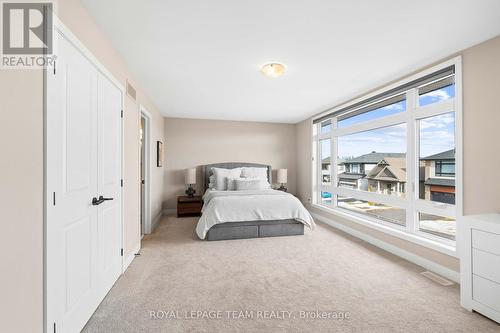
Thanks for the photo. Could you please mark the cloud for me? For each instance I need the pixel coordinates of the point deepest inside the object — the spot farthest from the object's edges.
(437, 122)
(437, 135)
(395, 107)
(437, 95)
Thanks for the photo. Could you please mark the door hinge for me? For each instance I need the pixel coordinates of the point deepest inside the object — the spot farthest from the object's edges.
(121, 113)
(54, 68)
(121, 182)
(121, 252)
(54, 327)
(54, 198)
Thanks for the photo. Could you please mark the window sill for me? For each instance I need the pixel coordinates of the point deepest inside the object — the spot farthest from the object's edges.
(441, 247)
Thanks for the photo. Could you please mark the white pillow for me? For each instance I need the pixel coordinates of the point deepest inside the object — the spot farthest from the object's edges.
(221, 174)
(231, 184)
(252, 172)
(244, 184)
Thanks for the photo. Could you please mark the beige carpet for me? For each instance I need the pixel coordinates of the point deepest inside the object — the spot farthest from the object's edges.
(273, 280)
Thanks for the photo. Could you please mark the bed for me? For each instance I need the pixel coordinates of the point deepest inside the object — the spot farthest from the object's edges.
(249, 214)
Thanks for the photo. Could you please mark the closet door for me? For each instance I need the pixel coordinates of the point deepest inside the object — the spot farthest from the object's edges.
(109, 182)
(72, 169)
(83, 166)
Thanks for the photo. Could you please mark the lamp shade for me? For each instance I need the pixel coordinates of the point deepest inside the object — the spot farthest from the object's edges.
(282, 176)
(190, 176)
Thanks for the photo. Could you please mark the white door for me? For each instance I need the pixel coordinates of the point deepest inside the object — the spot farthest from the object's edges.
(109, 184)
(83, 158)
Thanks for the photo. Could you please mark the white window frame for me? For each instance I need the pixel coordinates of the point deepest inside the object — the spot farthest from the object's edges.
(411, 202)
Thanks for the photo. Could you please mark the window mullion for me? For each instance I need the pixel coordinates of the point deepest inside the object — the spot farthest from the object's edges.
(334, 162)
(411, 159)
(372, 125)
(317, 190)
(372, 197)
(314, 166)
(435, 109)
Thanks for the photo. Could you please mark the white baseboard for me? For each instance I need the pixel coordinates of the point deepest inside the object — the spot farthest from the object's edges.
(128, 260)
(155, 222)
(425, 263)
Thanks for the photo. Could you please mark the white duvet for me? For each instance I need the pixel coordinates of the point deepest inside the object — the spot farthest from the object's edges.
(252, 205)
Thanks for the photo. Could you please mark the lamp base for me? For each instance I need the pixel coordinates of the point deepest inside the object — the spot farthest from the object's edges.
(282, 188)
(190, 191)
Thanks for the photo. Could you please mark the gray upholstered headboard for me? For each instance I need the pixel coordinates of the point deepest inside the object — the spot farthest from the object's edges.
(207, 169)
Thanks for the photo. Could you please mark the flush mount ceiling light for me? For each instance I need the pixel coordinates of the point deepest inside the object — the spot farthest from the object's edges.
(273, 69)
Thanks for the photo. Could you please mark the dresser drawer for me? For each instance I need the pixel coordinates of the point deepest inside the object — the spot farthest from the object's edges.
(486, 292)
(486, 241)
(189, 206)
(486, 265)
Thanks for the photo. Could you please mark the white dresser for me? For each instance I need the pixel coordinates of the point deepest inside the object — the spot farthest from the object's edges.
(479, 246)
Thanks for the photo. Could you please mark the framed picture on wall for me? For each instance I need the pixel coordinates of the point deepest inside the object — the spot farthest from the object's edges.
(159, 153)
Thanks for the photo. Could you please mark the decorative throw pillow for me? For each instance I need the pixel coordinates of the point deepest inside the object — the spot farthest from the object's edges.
(211, 182)
(245, 184)
(221, 174)
(253, 172)
(231, 183)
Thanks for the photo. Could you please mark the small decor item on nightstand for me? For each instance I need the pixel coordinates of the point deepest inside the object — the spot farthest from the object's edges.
(282, 179)
(190, 180)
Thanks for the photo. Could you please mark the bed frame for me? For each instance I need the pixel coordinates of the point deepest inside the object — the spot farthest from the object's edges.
(249, 229)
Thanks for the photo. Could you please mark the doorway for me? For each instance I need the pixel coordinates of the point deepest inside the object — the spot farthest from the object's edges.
(145, 170)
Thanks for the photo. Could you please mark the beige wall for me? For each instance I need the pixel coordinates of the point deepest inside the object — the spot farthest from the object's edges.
(481, 86)
(192, 143)
(21, 190)
(21, 204)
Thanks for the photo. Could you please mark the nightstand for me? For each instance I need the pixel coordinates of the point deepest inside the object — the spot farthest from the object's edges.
(189, 206)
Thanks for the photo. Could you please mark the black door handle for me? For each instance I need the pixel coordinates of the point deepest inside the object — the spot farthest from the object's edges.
(97, 202)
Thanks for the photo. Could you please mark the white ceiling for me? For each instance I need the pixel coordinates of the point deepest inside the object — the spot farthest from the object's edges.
(201, 59)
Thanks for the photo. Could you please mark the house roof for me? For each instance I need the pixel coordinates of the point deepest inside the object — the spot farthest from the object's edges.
(389, 169)
(372, 158)
(445, 155)
(450, 182)
(350, 176)
(326, 160)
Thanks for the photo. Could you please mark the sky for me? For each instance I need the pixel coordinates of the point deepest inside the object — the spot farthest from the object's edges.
(437, 134)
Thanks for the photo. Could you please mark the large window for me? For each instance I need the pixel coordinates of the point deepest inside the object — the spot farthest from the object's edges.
(390, 158)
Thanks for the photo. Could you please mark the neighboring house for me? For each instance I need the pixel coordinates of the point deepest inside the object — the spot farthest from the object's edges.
(438, 177)
(326, 173)
(357, 168)
(388, 176)
(326, 170)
